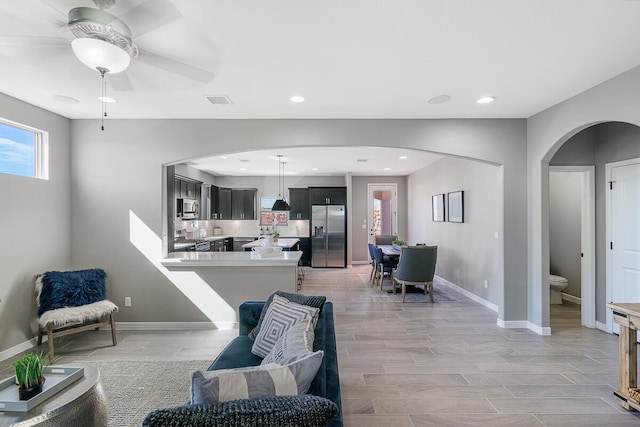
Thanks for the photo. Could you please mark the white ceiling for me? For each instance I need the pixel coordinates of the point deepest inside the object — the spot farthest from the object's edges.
(377, 161)
(349, 59)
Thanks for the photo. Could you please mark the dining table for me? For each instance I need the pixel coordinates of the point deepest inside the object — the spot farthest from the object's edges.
(390, 251)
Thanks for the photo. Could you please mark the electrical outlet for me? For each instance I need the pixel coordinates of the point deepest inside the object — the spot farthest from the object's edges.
(486, 284)
(127, 301)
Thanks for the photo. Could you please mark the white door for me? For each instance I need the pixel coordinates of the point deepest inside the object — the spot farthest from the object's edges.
(624, 242)
(383, 210)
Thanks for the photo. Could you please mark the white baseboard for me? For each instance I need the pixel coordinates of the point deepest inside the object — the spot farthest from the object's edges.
(466, 293)
(17, 349)
(571, 298)
(602, 327)
(172, 326)
(509, 324)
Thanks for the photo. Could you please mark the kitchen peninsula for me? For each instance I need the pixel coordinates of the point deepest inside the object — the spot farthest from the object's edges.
(236, 277)
(284, 243)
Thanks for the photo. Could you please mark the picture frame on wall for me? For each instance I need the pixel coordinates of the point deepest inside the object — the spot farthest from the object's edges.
(437, 208)
(455, 206)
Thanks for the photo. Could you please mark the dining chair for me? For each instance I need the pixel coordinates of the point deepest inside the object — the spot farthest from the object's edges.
(383, 265)
(417, 266)
(385, 239)
(373, 262)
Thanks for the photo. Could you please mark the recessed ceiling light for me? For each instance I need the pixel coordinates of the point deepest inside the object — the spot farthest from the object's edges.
(107, 99)
(403, 157)
(314, 169)
(242, 169)
(486, 100)
(224, 157)
(65, 99)
(297, 98)
(440, 99)
(387, 169)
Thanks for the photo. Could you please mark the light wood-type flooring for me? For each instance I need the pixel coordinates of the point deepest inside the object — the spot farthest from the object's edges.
(423, 364)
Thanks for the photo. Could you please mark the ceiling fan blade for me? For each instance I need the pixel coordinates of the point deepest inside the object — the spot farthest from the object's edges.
(150, 15)
(33, 41)
(120, 81)
(37, 10)
(180, 68)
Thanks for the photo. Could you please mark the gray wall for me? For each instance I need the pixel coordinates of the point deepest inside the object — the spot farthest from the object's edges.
(360, 211)
(35, 221)
(565, 231)
(119, 171)
(616, 100)
(468, 253)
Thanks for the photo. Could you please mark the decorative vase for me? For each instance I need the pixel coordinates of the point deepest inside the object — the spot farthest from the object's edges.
(28, 393)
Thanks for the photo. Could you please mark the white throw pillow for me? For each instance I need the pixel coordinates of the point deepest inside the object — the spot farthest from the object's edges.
(296, 343)
(281, 315)
(258, 381)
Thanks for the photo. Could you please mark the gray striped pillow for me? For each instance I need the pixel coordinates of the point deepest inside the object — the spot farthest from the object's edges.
(256, 381)
(282, 315)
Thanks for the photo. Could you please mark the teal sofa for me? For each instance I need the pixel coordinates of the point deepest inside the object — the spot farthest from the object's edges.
(237, 354)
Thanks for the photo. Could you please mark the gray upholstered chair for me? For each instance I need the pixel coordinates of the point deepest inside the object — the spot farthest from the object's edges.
(417, 266)
(385, 239)
(384, 265)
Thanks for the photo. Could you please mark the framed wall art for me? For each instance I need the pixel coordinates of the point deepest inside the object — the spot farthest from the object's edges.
(455, 206)
(437, 208)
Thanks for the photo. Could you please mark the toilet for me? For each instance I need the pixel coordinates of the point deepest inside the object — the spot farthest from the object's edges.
(557, 284)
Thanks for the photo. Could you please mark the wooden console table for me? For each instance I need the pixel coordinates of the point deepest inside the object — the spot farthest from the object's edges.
(627, 315)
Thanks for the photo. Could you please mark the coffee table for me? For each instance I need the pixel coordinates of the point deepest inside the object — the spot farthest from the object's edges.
(82, 403)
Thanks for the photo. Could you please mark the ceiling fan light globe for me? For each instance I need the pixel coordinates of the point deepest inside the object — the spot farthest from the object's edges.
(96, 53)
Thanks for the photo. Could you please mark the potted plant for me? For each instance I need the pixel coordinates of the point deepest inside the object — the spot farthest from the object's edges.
(29, 375)
(275, 236)
(398, 244)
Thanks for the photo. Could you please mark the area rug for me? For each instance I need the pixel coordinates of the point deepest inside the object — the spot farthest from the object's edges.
(441, 293)
(134, 387)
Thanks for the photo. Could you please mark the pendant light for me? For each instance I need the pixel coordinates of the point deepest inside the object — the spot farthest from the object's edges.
(281, 203)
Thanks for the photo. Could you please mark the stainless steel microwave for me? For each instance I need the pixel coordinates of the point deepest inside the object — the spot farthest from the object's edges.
(187, 209)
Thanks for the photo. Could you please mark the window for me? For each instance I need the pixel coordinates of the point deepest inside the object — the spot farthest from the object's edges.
(23, 150)
(267, 216)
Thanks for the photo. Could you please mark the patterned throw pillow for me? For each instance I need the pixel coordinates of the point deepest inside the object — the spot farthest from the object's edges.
(256, 381)
(282, 315)
(310, 300)
(296, 343)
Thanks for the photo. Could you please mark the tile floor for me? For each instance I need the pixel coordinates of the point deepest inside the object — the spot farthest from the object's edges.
(418, 364)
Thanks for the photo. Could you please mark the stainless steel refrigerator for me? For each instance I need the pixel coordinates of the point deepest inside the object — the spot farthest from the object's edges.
(328, 236)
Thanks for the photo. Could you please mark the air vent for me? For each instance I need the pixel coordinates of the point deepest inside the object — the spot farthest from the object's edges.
(219, 100)
(362, 160)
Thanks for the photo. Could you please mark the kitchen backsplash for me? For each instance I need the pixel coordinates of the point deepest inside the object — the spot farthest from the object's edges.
(192, 229)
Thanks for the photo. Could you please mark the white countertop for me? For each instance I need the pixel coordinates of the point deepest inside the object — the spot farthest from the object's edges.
(282, 242)
(228, 259)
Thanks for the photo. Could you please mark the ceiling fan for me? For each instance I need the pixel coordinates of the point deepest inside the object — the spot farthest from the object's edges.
(105, 42)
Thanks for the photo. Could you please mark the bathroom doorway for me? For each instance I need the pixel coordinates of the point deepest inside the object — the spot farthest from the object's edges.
(572, 241)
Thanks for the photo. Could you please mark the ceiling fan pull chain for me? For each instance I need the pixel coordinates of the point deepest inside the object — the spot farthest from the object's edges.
(103, 71)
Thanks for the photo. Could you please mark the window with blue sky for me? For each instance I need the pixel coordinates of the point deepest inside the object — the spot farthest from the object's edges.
(20, 151)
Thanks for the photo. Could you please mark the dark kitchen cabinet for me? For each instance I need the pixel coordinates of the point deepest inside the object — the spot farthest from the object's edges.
(224, 205)
(233, 203)
(186, 188)
(228, 244)
(305, 247)
(299, 202)
(243, 203)
(327, 195)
